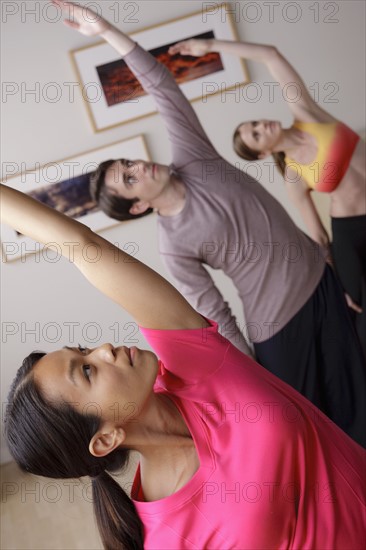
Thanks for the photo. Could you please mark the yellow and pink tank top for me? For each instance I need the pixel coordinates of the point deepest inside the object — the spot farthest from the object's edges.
(336, 144)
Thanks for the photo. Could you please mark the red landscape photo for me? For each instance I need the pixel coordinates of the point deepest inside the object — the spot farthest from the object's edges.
(119, 84)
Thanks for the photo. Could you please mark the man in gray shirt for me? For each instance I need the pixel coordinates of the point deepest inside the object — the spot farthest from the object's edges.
(211, 213)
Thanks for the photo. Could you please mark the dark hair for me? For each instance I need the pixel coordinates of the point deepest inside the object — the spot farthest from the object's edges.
(112, 205)
(52, 440)
(245, 152)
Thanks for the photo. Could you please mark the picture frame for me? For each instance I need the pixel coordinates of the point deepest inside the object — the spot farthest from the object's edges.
(64, 185)
(113, 96)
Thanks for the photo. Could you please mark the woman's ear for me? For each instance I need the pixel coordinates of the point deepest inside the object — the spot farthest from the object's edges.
(139, 207)
(106, 440)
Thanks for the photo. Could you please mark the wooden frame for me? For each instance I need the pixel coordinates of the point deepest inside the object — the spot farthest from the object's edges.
(64, 185)
(113, 96)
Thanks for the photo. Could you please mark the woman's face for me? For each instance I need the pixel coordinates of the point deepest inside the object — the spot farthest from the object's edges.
(261, 135)
(113, 383)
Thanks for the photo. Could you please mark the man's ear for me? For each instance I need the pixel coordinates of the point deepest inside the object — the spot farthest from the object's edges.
(139, 207)
(106, 440)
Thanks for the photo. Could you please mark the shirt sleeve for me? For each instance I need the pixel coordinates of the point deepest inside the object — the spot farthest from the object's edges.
(197, 286)
(188, 139)
(191, 355)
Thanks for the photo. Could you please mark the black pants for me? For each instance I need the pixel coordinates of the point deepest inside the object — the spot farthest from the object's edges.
(319, 354)
(349, 253)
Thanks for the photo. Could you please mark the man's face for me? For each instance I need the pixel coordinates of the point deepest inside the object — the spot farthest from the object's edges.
(133, 179)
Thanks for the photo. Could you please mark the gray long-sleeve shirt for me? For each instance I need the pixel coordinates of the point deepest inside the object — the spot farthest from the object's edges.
(229, 222)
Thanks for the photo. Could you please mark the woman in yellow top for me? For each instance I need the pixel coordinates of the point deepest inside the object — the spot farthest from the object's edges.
(317, 152)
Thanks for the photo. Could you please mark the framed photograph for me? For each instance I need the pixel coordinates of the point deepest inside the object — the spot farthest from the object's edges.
(113, 95)
(64, 185)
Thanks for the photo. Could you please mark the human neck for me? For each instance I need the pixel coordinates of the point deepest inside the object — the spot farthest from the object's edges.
(168, 455)
(291, 140)
(172, 200)
(160, 426)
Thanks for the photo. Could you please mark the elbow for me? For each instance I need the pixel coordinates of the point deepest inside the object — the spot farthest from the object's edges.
(274, 53)
(271, 56)
(84, 243)
(322, 237)
(299, 199)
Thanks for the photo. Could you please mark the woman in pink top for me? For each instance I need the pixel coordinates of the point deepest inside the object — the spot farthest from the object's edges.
(230, 456)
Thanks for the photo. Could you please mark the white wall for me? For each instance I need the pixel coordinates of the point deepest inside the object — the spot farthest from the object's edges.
(36, 51)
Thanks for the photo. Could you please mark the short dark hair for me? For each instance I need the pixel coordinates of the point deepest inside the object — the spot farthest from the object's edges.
(113, 206)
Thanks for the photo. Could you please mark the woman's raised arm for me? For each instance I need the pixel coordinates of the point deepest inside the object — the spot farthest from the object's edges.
(145, 295)
(279, 67)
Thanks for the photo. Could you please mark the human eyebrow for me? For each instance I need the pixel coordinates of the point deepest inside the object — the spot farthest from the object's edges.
(71, 371)
(124, 163)
(72, 367)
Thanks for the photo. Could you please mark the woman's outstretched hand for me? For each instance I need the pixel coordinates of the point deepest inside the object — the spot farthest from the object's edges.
(193, 47)
(82, 19)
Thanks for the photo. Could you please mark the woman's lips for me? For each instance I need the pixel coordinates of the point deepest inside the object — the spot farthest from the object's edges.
(132, 351)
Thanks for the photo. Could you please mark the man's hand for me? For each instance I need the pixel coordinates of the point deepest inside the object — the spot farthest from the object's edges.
(82, 19)
(352, 304)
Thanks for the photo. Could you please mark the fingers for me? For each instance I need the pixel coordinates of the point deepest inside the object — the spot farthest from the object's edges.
(61, 3)
(356, 308)
(352, 304)
(177, 48)
(68, 7)
(71, 24)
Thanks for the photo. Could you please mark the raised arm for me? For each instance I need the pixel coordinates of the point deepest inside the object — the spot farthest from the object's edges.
(189, 140)
(279, 67)
(145, 295)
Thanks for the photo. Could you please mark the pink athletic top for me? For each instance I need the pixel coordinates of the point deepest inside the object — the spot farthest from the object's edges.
(274, 471)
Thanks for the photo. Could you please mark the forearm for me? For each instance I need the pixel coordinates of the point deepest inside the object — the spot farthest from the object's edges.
(118, 40)
(300, 196)
(256, 52)
(196, 284)
(278, 66)
(188, 139)
(36, 220)
(313, 223)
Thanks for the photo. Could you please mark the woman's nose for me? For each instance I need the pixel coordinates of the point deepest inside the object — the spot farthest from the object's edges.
(105, 352)
(141, 167)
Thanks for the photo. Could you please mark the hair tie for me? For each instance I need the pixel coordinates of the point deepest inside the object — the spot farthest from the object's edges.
(94, 477)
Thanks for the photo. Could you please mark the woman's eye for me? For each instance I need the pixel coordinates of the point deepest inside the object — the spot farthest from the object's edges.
(256, 136)
(130, 180)
(87, 371)
(129, 163)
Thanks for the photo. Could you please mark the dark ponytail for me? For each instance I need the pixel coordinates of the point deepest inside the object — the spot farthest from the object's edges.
(118, 531)
(52, 439)
(244, 152)
(279, 159)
